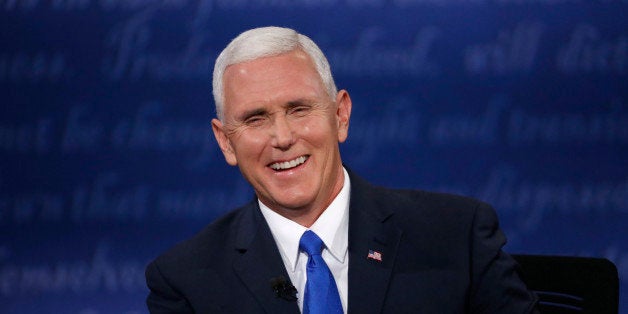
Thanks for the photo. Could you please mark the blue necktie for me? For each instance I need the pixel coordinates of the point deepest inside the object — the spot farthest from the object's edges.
(321, 293)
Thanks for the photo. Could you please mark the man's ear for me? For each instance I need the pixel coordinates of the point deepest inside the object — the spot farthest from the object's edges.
(224, 142)
(343, 114)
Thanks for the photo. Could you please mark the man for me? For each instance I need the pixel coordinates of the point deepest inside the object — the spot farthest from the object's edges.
(280, 120)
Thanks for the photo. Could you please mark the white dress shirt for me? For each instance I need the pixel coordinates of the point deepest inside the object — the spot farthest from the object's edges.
(332, 227)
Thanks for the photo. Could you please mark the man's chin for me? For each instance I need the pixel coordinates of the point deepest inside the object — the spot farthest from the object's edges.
(288, 204)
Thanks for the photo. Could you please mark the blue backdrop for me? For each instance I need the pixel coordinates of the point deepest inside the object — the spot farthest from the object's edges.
(107, 156)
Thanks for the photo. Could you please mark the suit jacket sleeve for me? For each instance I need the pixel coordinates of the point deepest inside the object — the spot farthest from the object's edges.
(496, 286)
(163, 298)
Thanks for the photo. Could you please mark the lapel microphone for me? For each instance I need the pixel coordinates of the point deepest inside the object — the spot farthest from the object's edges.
(283, 288)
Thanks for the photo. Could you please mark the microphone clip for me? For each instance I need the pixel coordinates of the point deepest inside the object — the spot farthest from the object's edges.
(283, 288)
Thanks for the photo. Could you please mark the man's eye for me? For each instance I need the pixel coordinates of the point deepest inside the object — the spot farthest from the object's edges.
(299, 110)
(255, 120)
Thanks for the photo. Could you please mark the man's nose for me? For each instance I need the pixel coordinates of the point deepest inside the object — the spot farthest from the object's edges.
(282, 133)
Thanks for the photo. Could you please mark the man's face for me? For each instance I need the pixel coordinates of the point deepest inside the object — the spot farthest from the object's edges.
(282, 129)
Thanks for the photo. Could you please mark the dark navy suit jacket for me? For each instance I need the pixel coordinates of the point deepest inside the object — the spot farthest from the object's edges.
(439, 254)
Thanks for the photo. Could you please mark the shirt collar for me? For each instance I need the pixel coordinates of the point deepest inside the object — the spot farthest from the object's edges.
(332, 226)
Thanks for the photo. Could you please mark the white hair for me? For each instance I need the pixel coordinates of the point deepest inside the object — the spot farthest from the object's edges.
(266, 42)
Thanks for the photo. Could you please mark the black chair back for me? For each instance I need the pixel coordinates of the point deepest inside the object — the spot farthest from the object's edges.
(570, 285)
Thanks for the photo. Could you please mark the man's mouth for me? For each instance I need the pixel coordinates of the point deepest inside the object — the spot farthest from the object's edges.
(289, 164)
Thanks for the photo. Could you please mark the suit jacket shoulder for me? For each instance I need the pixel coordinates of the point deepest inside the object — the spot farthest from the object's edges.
(226, 268)
(197, 250)
(441, 253)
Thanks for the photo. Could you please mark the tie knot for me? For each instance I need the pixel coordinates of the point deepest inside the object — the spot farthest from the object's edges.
(311, 243)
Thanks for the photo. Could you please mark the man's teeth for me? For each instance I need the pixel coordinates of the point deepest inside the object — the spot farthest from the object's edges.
(288, 164)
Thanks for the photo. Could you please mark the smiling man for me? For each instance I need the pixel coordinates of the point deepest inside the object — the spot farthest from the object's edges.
(282, 128)
(317, 238)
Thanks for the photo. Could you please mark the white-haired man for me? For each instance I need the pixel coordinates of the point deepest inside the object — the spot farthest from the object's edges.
(317, 238)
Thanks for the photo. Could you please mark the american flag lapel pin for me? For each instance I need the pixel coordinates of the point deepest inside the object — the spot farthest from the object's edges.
(374, 255)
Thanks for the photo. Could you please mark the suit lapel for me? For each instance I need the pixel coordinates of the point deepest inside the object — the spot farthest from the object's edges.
(368, 231)
(260, 261)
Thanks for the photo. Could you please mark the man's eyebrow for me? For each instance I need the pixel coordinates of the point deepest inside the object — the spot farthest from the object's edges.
(299, 102)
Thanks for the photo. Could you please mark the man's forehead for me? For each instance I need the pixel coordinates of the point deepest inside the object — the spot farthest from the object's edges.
(272, 81)
(261, 75)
